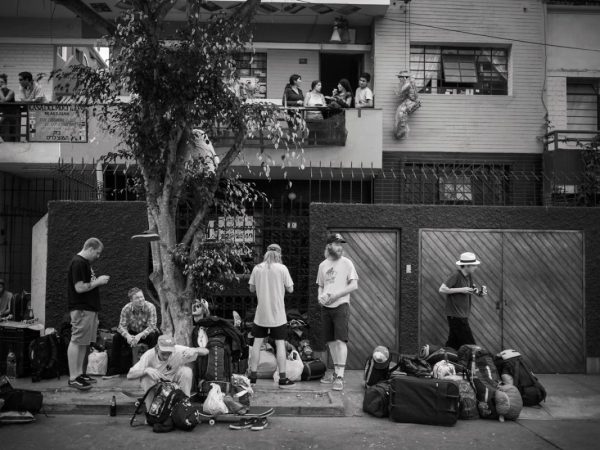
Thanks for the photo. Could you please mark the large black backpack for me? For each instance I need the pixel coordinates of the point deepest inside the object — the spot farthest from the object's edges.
(44, 357)
(377, 399)
(165, 396)
(532, 391)
(484, 377)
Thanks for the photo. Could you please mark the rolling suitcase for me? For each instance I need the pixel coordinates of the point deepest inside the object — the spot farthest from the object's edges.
(424, 400)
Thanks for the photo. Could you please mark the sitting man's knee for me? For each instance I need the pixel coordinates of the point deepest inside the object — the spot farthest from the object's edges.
(185, 373)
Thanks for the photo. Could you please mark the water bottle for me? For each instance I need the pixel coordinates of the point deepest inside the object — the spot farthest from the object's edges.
(113, 407)
(11, 365)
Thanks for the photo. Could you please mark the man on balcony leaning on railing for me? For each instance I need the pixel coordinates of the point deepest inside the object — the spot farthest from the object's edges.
(31, 92)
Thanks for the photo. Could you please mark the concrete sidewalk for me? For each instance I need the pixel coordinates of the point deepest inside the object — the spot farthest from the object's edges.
(569, 397)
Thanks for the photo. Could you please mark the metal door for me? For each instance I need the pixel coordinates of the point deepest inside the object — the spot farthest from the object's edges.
(374, 308)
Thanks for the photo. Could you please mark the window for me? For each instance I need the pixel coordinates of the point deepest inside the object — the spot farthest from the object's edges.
(252, 70)
(458, 70)
(455, 188)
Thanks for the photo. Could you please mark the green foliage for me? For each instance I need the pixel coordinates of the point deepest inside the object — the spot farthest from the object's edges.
(589, 191)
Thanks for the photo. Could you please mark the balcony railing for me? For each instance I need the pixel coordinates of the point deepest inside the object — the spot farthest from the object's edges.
(325, 127)
(569, 139)
(43, 122)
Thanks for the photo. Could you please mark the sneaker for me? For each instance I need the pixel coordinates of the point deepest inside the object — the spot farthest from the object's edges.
(243, 424)
(328, 377)
(85, 377)
(110, 377)
(286, 383)
(79, 383)
(147, 236)
(260, 424)
(338, 384)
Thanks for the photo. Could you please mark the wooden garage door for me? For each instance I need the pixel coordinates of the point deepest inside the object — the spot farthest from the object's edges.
(536, 294)
(439, 252)
(374, 306)
(543, 299)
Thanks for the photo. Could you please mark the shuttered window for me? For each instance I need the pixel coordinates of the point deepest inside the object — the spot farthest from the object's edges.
(582, 105)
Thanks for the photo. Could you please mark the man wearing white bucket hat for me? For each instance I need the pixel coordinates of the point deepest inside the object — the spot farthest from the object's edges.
(458, 289)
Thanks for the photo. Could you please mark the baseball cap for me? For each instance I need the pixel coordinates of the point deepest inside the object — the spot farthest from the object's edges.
(274, 247)
(336, 237)
(381, 357)
(166, 343)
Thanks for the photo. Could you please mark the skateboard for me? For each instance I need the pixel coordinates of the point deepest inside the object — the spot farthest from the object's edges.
(256, 413)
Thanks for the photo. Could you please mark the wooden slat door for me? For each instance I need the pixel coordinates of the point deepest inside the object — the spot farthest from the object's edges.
(543, 299)
(440, 249)
(374, 306)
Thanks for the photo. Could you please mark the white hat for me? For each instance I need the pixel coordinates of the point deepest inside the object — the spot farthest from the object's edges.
(468, 259)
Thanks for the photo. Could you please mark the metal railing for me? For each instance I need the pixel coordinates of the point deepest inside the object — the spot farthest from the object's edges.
(568, 139)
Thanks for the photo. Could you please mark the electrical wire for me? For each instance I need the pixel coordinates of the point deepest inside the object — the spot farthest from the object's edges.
(409, 22)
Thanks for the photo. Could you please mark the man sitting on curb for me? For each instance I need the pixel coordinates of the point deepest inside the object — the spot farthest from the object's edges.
(137, 325)
(166, 361)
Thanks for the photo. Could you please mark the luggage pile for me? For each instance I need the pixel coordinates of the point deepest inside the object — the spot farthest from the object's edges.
(442, 385)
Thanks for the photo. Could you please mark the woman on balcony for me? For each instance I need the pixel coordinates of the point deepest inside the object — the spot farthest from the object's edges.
(292, 94)
(314, 98)
(341, 97)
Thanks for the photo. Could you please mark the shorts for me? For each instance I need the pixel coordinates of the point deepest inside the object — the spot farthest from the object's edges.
(334, 322)
(277, 333)
(84, 326)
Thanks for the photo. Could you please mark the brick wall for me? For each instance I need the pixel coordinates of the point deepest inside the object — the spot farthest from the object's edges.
(409, 219)
(124, 260)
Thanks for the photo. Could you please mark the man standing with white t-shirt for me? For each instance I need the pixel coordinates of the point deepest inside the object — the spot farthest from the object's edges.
(270, 280)
(337, 278)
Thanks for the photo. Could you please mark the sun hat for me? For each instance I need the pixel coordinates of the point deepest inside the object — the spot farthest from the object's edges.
(336, 237)
(468, 259)
(166, 343)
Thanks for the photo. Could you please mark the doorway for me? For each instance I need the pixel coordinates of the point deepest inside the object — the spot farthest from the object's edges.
(335, 66)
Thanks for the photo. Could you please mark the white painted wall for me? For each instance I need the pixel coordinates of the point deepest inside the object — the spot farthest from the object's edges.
(460, 123)
(39, 255)
(283, 63)
(574, 29)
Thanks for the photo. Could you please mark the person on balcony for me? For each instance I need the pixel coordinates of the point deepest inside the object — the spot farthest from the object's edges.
(409, 103)
(31, 92)
(314, 98)
(5, 302)
(341, 96)
(137, 325)
(8, 114)
(292, 94)
(364, 95)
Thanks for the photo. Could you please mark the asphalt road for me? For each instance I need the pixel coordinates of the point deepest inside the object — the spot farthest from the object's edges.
(344, 433)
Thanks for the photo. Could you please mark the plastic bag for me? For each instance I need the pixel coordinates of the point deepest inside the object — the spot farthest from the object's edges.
(214, 403)
(293, 367)
(267, 364)
(97, 363)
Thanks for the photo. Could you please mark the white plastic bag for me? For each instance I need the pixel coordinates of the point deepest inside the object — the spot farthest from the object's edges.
(267, 364)
(97, 363)
(214, 403)
(293, 367)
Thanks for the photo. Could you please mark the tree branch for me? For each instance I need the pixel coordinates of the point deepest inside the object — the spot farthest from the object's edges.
(88, 15)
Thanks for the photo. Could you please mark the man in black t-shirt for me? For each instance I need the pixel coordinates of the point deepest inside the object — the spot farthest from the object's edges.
(458, 289)
(84, 304)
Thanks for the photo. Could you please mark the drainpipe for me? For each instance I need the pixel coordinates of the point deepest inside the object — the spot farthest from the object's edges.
(100, 182)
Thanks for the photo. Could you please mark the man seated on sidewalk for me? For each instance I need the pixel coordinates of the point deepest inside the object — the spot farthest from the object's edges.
(166, 361)
(137, 325)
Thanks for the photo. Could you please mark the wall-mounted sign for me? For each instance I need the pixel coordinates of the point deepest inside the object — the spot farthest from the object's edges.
(237, 229)
(57, 123)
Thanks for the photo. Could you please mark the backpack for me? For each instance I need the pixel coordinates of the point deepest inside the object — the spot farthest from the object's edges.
(376, 371)
(216, 366)
(19, 399)
(166, 396)
(43, 355)
(377, 399)
(468, 401)
(414, 366)
(483, 375)
(532, 391)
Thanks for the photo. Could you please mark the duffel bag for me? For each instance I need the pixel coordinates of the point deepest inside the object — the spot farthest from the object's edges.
(22, 400)
(424, 400)
(377, 399)
(313, 370)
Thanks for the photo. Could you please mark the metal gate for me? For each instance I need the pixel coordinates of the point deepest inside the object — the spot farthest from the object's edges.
(536, 293)
(374, 309)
